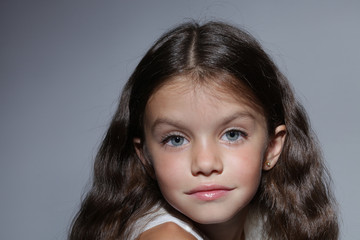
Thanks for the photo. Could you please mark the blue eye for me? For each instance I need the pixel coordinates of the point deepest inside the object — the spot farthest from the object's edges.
(233, 135)
(175, 141)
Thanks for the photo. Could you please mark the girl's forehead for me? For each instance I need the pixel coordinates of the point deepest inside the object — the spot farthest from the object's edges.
(197, 104)
(219, 88)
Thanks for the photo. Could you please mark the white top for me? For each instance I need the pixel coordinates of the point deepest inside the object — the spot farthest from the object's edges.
(252, 226)
(159, 217)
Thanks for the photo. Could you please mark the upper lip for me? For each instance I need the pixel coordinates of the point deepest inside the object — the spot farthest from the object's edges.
(208, 187)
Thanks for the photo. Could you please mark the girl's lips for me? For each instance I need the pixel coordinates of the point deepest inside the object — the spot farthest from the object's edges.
(209, 192)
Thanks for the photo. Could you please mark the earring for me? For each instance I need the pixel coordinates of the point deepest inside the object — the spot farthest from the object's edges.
(268, 164)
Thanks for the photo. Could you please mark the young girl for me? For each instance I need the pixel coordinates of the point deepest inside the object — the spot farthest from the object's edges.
(208, 142)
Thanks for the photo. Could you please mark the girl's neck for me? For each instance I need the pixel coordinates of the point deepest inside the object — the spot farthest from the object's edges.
(232, 229)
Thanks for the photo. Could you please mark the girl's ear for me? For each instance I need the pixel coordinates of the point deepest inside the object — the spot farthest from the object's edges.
(138, 145)
(144, 157)
(274, 148)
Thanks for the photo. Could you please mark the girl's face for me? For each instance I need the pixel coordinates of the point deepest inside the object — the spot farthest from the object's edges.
(207, 149)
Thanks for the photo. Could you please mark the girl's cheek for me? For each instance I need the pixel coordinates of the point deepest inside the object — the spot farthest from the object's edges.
(169, 164)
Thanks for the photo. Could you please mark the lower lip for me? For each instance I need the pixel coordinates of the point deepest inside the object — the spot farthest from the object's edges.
(210, 195)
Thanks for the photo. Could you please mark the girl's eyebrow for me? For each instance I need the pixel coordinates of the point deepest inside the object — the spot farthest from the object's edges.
(238, 115)
(165, 121)
(179, 124)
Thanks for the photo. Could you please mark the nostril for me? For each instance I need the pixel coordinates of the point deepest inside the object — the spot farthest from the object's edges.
(208, 173)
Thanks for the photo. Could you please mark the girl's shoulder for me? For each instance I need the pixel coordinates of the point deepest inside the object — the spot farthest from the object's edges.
(165, 231)
(161, 224)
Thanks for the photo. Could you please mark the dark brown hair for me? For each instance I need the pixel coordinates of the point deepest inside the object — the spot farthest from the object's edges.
(294, 198)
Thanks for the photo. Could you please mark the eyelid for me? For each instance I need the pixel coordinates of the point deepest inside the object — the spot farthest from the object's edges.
(171, 134)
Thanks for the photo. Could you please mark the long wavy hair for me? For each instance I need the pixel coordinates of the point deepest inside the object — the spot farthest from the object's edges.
(294, 198)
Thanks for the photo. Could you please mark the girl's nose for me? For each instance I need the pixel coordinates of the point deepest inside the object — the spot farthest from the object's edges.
(206, 160)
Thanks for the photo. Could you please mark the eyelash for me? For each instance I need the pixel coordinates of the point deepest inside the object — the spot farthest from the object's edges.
(241, 135)
(167, 138)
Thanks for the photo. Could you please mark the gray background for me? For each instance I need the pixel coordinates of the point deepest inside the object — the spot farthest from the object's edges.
(63, 63)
